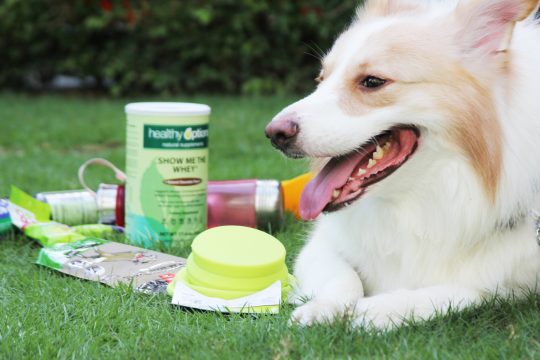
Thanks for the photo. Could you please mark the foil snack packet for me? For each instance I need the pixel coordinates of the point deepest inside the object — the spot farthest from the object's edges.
(113, 263)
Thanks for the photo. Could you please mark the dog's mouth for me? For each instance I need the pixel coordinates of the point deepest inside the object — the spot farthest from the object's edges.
(346, 178)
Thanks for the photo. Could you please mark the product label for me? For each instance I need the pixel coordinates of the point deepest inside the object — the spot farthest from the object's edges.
(167, 178)
(175, 137)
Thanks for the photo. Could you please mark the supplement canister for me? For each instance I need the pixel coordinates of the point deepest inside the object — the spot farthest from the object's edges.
(167, 172)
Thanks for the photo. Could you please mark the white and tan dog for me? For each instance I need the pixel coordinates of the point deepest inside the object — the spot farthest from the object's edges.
(427, 123)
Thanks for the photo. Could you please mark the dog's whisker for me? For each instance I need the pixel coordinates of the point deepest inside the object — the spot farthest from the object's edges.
(316, 52)
(312, 55)
(320, 51)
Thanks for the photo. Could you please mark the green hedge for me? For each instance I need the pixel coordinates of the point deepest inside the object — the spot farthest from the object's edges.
(233, 46)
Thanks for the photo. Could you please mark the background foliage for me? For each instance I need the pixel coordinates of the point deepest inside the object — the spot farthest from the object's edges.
(186, 46)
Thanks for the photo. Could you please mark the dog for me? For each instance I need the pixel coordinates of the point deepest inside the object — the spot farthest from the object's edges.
(424, 130)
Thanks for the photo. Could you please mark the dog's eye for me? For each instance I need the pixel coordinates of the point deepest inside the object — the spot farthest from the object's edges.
(372, 82)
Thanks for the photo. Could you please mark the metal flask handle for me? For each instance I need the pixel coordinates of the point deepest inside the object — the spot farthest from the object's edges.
(107, 194)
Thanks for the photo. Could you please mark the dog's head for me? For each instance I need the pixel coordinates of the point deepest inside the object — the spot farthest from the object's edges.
(405, 76)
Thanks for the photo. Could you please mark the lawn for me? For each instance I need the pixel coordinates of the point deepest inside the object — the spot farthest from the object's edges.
(44, 314)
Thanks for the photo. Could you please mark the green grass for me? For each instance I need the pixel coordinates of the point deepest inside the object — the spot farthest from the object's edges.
(45, 314)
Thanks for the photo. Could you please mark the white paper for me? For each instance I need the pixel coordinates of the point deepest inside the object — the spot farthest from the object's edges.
(185, 296)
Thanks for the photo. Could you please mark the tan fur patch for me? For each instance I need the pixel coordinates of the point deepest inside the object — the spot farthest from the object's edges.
(476, 128)
(356, 102)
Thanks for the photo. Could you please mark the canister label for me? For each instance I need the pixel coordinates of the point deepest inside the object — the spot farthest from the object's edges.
(167, 179)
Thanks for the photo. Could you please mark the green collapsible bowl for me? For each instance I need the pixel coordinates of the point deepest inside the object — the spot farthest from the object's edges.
(200, 276)
(229, 262)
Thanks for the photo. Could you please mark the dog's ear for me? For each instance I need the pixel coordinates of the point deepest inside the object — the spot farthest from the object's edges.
(486, 25)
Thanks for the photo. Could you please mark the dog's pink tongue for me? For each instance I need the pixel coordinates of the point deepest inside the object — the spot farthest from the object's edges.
(318, 192)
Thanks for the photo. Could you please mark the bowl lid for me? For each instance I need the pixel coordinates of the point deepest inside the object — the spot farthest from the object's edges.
(238, 251)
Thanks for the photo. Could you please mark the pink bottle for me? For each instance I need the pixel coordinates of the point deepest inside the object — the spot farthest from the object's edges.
(253, 203)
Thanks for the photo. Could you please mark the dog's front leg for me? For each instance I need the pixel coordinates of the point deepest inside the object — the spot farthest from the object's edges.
(323, 276)
(388, 310)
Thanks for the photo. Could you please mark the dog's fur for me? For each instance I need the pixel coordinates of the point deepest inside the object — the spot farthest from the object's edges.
(453, 225)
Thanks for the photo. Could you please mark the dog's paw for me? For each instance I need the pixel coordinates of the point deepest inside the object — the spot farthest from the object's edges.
(315, 312)
(375, 314)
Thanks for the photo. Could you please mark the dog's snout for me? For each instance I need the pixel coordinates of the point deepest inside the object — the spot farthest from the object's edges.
(282, 131)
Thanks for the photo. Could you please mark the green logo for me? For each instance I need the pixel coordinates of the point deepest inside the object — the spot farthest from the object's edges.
(175, 137)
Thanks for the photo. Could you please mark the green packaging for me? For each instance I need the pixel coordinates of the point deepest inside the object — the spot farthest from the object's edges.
(167, 173)
(5, 220)
(40, 210)
(52, 233)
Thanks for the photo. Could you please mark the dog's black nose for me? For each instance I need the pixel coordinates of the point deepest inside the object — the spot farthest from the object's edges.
(282, 131)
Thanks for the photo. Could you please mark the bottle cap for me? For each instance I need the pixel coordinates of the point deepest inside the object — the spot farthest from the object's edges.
(269, 204)
(106, 200)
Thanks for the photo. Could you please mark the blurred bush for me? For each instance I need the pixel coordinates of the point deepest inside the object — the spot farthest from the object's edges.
(232, 46)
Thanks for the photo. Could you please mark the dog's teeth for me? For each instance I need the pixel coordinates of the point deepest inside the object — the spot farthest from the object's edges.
(371, 163)
(350, 179)
(335, 194)
(387, 145)
(361, 171)
(379, 153)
